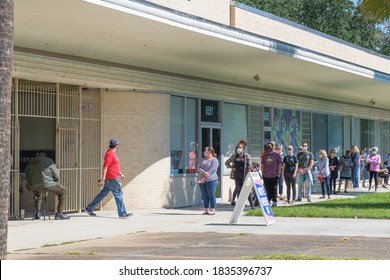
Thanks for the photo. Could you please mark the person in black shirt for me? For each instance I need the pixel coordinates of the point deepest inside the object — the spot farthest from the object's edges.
(334, 169)
(290, 168)
(305, 163)
(241, 164)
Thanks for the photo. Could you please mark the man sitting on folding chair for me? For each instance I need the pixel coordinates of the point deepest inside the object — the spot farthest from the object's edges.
(43, 176)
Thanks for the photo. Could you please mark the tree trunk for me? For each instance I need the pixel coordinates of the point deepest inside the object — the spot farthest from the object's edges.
(6, 59)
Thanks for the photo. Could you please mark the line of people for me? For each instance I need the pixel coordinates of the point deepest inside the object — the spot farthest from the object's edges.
(290, 169)
(275, 169)
(295, 171)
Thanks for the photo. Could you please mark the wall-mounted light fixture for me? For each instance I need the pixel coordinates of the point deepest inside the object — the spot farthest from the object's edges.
(256, 77)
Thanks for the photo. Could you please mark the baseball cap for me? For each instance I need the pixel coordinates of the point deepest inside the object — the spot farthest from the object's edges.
(114, 142)
(290, 147)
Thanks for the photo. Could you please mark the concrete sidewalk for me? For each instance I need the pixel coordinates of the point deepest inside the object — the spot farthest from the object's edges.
(27, 234)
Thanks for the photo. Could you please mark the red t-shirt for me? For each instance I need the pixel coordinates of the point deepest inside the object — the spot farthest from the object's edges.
(111, 161)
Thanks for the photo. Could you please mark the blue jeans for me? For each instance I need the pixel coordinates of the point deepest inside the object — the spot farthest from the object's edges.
(280, 183)
(355, 177)
(326, 184)
(208, 193)
(363, 172)
(114, 186)
(301, 179)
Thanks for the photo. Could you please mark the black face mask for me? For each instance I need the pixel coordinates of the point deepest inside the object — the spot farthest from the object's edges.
(269, 149)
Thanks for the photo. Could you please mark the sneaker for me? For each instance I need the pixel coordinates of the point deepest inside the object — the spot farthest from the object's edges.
(90, 212)
(37, 215)
(321, 197)
(328, 196)
(298, 200)
(233, 203)
(309, 200)
(61, 216)
(125, 216)
(274, 204)
(369, 188)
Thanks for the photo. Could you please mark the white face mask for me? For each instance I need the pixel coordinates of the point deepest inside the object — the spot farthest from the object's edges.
(239, 150)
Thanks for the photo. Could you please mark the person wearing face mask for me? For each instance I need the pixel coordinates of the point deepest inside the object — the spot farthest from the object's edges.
(270, 169)
(324, 173)
(241, 164)
(355, 156)
(280, 179)
(290, 169)
(363, 166)
(305, 163)
(374, 159)
(334, 170)
(345, 170)
(207, 169)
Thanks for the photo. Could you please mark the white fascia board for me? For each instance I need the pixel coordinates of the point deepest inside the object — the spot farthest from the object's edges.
(228, 33)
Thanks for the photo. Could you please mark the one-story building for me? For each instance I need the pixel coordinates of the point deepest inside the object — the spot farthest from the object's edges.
(168, 78)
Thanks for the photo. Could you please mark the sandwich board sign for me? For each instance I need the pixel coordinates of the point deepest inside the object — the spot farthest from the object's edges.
(253, 180)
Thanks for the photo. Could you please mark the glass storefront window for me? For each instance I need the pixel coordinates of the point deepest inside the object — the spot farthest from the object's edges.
(335, 134)
(235, 128)
(327, 133)
(367, 135)
(385, 131)
(191, 135)
(183, 135)
(177, 134)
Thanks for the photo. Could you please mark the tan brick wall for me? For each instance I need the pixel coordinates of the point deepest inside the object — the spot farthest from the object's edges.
(141, 122)
(215, 10)
(271, 28)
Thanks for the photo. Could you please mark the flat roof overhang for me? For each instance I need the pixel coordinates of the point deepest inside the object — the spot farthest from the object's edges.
(143, 35)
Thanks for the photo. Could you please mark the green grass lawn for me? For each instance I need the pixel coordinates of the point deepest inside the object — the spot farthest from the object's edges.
(367, 206)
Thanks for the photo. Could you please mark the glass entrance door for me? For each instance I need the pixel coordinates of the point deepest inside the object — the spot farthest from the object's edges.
(211, 136)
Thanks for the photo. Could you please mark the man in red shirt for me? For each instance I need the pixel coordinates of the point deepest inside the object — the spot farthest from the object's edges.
(112, 180)
(271, 164)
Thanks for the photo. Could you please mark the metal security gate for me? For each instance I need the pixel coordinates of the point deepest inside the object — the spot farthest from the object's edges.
(76, 112)
(68, 142)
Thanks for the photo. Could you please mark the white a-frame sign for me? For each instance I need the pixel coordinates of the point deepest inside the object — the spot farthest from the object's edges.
(254, 180)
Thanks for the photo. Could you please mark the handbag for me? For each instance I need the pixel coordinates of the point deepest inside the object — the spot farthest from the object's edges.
(233, 174)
